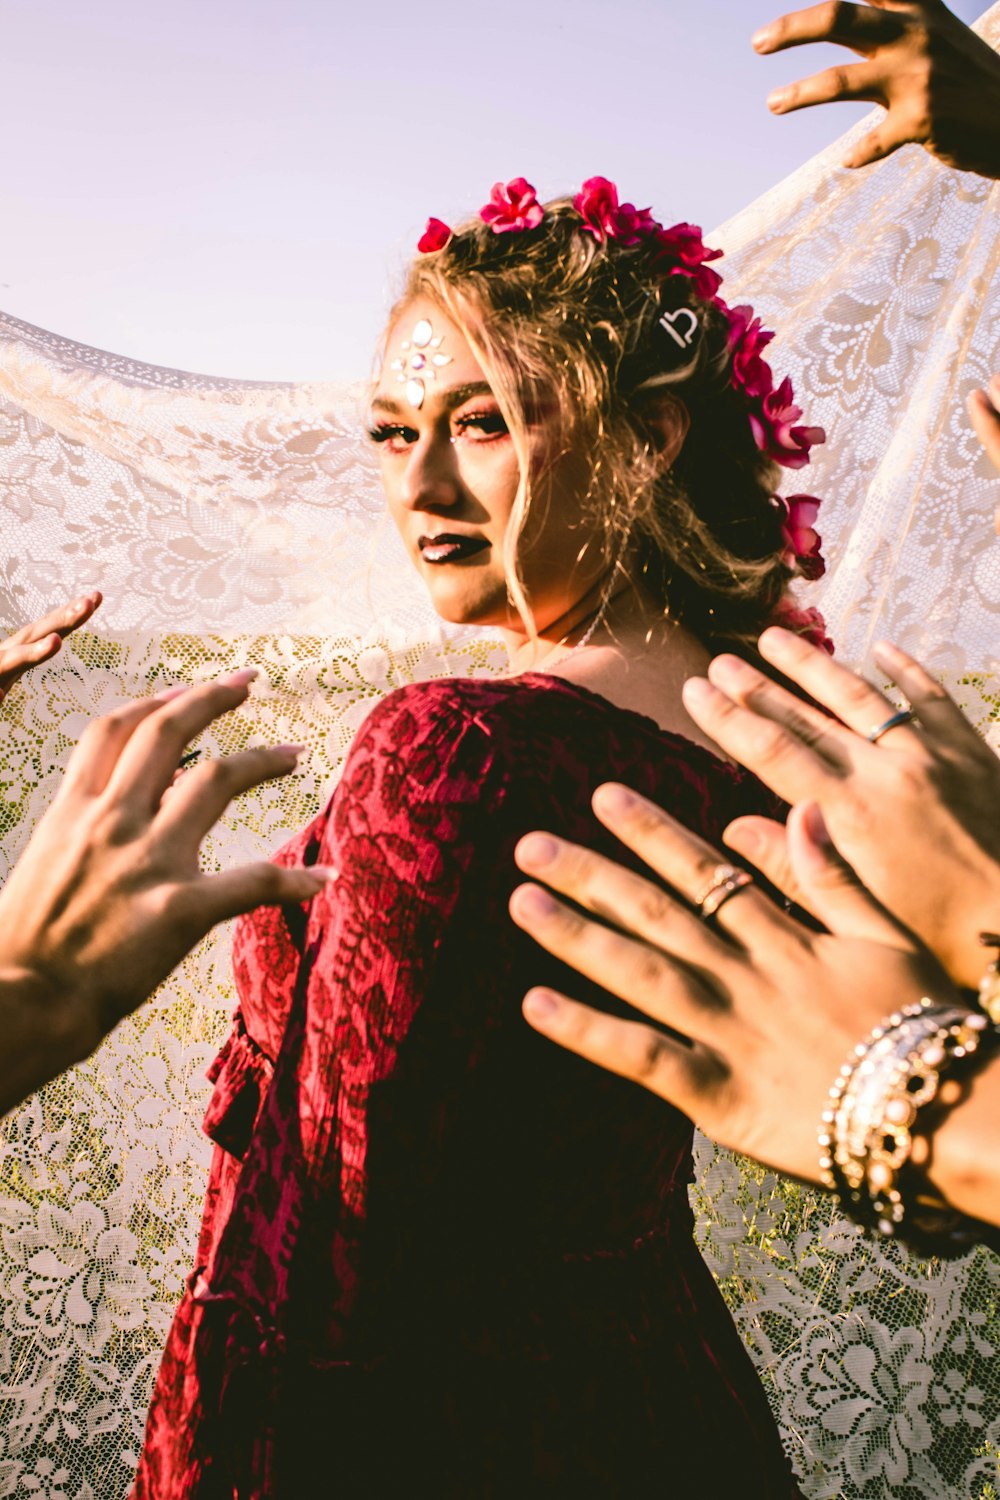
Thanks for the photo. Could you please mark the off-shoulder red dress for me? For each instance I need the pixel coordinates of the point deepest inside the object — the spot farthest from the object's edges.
(439, 1255)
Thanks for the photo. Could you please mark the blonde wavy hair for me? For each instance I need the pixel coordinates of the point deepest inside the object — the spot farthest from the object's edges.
(563, 323)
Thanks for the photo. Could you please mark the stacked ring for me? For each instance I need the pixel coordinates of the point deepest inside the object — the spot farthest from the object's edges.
(726, 881)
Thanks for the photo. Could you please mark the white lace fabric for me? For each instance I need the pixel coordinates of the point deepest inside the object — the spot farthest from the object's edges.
(232, 523)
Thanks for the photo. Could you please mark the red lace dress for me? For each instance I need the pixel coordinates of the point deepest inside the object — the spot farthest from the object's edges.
(439, 1255)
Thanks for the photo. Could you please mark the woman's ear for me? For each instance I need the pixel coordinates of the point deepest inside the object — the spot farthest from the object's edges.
(668, 421)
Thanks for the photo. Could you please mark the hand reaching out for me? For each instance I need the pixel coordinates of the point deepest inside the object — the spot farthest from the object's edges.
(108, 896)
(915, 814)
(763, 1010)
(40, 640)
(938, 80)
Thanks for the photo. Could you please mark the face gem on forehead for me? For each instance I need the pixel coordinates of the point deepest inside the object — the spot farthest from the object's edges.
(415, 366)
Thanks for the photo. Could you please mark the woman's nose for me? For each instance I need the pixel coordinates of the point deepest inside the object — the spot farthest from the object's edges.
(430, 478)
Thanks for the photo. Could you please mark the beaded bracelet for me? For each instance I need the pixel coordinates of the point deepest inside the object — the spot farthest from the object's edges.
(866, 1129)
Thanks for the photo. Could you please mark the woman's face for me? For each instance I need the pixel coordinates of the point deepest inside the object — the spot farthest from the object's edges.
(451, 478)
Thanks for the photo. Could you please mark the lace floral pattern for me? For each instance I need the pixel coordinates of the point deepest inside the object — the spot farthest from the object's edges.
(230, 522)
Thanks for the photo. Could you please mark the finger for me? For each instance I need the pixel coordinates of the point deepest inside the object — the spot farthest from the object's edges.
(791, 768)
(617, 895)
(853, 82)
(200, 796)
(877, 145)
(860, 27)
(17, 659)
(833, 892)
(677, 1073)
(984, 411)
(688, 864)
(233, 892)
(937, 711)
(92, 762)
(763, 843)
(62, 620)
(149, 760)
(634, 971)
(846, 694)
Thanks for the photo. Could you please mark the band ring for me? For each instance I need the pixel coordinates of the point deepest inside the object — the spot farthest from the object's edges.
(903, 716)
(726, 881)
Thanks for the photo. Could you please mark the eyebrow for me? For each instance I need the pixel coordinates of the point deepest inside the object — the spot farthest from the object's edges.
(449, 397)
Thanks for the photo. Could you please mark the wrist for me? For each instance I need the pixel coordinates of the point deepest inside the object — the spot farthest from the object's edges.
(46, 1029)
(959, 1153)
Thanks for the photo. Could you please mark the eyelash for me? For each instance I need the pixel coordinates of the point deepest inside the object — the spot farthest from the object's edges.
(490, 423)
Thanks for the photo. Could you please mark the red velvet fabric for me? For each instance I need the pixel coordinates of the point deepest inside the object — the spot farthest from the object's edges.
(438, 1254)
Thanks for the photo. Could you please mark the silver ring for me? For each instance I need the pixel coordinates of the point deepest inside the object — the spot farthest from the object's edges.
(726, 881)
(904, 716)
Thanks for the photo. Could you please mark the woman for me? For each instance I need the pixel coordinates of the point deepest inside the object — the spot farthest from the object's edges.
(406, 1282)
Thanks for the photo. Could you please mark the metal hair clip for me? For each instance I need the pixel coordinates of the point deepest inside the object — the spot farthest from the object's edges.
(683, 339)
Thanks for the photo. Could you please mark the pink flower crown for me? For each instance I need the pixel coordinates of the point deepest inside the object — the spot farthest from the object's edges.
(679, 250)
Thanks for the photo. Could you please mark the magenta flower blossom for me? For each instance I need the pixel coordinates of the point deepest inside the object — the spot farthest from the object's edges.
(775, 431)
(685, 253)
(802, 540)
(513, 207)
(747, 339)
(435, 236)
(607, 219)
(808, 623)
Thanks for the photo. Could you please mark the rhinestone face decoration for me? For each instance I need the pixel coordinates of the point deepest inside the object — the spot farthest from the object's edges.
(419, 361)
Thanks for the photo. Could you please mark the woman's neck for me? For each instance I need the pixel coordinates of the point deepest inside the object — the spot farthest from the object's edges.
(628, 651)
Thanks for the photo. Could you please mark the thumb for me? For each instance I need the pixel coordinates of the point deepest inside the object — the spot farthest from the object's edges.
(875, 147)
(830, 888)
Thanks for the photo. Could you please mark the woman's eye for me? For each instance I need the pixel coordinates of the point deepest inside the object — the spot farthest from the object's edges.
(481, 426)
(393, 434)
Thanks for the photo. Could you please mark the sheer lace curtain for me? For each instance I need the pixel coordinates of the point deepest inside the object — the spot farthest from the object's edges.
(230, 523)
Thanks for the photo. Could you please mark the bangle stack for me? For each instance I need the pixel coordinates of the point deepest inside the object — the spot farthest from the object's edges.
(866, 1131)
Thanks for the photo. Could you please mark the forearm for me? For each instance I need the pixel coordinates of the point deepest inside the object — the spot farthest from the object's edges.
(43, 1034)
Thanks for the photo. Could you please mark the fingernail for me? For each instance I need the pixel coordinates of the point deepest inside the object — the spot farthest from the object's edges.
(614, 800)
(777, 99)
(696, 690)
(886, 653)
(775, 636)
(242, 678)
(761, 38)
(326, 873)
(295, 750)
(815, 827)
(536, 851)
(733, 667)
(540, 1005)
(744, 837)
(531, 901)
(172, 692)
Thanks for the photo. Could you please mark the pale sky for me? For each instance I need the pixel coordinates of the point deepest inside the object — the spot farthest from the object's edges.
(232, 188)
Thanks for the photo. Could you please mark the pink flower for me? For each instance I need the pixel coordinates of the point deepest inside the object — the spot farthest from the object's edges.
(808, 623)
(607, 219)
(747, 339)
(802, 541)
(686, 254)
(775, 432)
(435, 236)
(512, 207)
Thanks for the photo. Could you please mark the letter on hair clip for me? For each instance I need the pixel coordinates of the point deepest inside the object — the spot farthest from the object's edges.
(669, 319)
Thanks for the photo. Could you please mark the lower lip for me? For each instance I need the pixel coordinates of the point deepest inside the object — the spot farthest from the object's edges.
(452, 552)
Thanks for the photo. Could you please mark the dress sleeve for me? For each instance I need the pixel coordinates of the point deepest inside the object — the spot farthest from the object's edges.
(421, 784)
